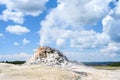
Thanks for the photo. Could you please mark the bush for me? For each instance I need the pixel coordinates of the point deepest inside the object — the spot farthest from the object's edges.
(115, 64)
(14, 62)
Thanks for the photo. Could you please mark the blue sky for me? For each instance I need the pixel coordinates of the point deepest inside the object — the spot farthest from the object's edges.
(83, 30)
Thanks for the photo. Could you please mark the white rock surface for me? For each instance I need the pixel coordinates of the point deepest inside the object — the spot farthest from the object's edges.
(48, 56)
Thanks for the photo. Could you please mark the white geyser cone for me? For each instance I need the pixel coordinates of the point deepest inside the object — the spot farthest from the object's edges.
(48, 56)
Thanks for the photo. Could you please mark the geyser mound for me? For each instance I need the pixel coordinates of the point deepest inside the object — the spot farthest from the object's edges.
(48, 56)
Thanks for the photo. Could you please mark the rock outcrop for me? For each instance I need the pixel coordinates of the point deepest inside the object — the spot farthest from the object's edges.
(48, 56)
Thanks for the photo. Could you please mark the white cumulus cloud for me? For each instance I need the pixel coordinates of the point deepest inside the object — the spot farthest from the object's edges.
(111, 50)
(72, 15)
(17, 29)
(1, 35)
(66, 25)
(111, 23)
(25, 41)
(17, 9)
(82, 12)
(16, 43)
(17, 17)
(60, 42)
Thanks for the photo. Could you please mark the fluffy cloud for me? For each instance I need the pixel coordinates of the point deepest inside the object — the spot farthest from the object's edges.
(89, 40)
(17, 9)
(111, 26)
(66, 25)
(17, 17)
(91, 57)
(60, 42)
(16, 43)
(17, 29)
(25, 41)
(111, 23)
(82, 12)
(111, 50)
(72, 15)
(19, 56)
(1, 35)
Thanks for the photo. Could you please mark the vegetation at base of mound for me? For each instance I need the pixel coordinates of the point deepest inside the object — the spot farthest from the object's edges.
(111, 64)
(115, 64)
(107, 67)
(13, 62)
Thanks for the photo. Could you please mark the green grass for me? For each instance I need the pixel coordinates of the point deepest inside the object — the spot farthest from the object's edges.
(14, 62)
(107, 67)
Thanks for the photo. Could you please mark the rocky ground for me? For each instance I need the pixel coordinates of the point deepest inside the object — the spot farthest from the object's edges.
(50, 64)
(41, 72)
(35, 72)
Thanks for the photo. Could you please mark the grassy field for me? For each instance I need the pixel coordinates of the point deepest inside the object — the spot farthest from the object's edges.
(107, 67)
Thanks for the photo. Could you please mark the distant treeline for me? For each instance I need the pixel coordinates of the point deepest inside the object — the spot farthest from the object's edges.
(13, 62)
(114, 64)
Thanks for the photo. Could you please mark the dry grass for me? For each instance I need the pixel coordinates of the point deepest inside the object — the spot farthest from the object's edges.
(107, 68)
